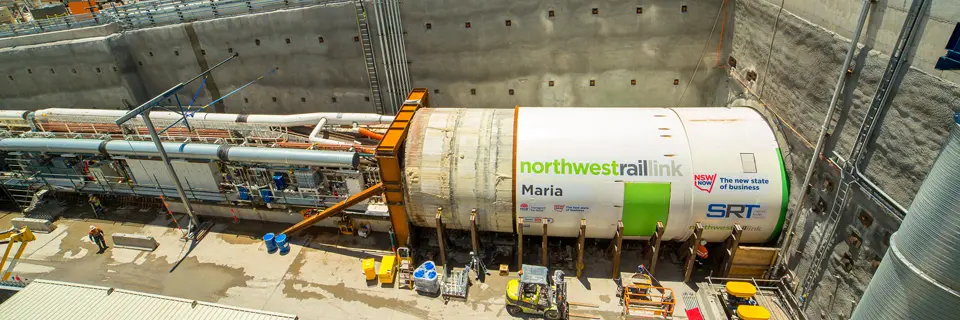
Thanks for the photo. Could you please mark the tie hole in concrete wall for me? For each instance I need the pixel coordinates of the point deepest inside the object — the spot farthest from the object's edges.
(466, 25)
(633, 82)
(98, 71)
(11, 78)
(29, 70)
(114, 69)
(550, 13)
(73, 70)
(203, 52)
(229, 50)
(334, 99)
(288, 40)
(508, 23)
(140, 63)
(436, 91)
(676, 82)
(683, 9)
(320, 39)
(550, 83)
(150, 53)
(302, 99)
(595, 11)
(367, 99)
(639, 10)
(511, 92)
(473, 92)
(428, 26)
(593, 83)
(53, 71)
(176, 53)
(274, 99)
(356, 39)
(245, 100)
(256, 41)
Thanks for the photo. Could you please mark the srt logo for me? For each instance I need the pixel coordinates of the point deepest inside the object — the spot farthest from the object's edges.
(721, 211)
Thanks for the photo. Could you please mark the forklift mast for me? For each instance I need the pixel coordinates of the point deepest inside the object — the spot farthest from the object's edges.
(560, 294)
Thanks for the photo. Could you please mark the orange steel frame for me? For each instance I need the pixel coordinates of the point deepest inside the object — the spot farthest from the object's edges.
(635, 299)
(389, 155)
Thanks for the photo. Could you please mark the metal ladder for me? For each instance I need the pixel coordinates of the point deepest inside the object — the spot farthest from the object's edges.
(848, 174)
(368, 56)
(20, 188)
(825, 245)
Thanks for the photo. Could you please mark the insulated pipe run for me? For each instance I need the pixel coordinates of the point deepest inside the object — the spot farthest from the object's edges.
(315, 136)
(202, 119)
(864, 10)
(323, 158)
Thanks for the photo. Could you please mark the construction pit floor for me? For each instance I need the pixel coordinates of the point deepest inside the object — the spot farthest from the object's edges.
(320, 278)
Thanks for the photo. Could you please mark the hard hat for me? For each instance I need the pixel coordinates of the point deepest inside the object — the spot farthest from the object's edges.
(92, 227)
(703, 242)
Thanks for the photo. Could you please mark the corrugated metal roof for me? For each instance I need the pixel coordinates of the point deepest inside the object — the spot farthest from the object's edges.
(45, 299)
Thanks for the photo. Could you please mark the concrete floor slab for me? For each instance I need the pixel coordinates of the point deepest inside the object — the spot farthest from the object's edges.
(320, 278)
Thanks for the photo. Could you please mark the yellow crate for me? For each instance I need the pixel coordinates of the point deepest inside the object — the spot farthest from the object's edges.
(369, 268)
(388, 266)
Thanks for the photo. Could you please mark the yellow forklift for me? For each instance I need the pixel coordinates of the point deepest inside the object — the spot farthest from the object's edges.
(535, 294)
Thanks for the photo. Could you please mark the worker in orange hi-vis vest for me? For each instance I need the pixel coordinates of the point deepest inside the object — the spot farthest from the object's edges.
(96, 235)
(702, 252)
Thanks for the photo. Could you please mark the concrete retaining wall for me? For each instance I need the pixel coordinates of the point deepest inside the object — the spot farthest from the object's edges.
(571, 48)
(612, 47)
(805, 62)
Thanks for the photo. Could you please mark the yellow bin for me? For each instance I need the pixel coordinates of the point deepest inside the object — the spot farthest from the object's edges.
(369, 268)
(388, 266)
(742, 290)
(746, 312)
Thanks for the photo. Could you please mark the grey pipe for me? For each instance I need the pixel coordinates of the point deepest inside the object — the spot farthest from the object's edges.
(821, 138)
(320, 158)
(401, 48)
(392, 54)
(381, 31)
(398, 61)
(85, 146)
(917, 278)
(173, 149)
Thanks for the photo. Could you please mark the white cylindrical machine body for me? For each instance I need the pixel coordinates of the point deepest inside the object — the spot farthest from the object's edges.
(715, 166)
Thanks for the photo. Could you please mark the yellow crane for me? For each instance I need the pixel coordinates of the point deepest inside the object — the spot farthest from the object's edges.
(23, 236)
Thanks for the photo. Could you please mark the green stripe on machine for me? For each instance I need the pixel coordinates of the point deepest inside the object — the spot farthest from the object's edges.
(785, 198)
(644, 203)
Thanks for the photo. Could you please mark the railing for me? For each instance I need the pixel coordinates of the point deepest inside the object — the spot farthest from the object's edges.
(146, 14)
(55, 24)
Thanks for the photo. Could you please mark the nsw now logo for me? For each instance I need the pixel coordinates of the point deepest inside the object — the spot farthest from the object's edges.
(705, 182)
